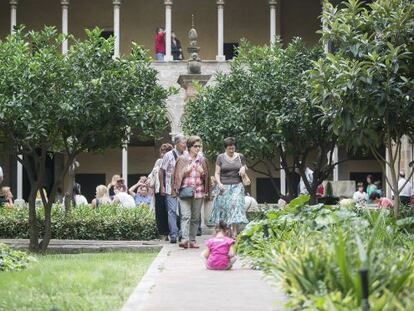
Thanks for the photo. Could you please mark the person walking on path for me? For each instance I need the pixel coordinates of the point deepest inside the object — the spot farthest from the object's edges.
(191, 185)
(165, 177)
(405, 189)
(220, 253)
(161, 214)
(159, 43)
(229, 204)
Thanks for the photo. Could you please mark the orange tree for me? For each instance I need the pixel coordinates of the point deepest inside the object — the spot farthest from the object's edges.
(366, 86)
(264, 102)
(84, 101)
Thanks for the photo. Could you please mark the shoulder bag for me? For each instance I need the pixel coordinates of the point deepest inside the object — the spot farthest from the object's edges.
(245, 178)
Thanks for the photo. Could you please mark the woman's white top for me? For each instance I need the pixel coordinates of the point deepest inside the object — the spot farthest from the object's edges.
(125, 200)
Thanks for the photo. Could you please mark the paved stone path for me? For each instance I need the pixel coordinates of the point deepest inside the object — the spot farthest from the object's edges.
(178, 281)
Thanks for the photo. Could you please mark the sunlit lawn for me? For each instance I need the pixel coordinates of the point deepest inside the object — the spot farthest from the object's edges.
(74, 282)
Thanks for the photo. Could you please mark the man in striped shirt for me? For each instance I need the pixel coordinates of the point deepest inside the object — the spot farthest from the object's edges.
(165, 175)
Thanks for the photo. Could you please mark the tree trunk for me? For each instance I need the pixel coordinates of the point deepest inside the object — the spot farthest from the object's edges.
(33, 226)
(47, 234)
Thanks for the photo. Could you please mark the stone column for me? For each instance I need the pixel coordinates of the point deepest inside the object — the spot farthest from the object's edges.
(168, 8)
(117, 27)
(13, 23)
(65, 23)
(272, 5)
(13, 14)
(282, 179)
(117, 52)
(220, 34)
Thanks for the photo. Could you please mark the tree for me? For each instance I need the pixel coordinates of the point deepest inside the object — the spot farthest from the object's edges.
(84, 101)
(264, 102)
(366, 86)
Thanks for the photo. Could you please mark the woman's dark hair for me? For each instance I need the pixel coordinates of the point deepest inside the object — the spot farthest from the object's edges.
(229, 141)
(76, 189)
(360, 184)
(192, 140)
(373, 196)
(371, 178)
(157, 30)
(222, 226)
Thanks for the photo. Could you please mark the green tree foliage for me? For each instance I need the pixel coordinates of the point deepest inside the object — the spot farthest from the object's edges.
(79, 102)
(264, 102)
(366, 85)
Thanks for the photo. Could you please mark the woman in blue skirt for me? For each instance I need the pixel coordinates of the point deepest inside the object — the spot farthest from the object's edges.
(228, 206)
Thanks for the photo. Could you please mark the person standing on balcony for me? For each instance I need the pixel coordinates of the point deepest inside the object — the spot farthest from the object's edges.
(160, 43)
(406, 189)
(176, 50)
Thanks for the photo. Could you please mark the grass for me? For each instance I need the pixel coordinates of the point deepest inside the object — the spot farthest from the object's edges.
(74, 282)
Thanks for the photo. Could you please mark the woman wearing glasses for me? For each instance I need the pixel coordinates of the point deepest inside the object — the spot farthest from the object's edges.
(228, 205)
(191, 185)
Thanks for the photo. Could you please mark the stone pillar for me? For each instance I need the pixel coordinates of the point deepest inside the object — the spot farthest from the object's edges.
(117, 26)
(220, 34)
(117, 52)
(282, 179)
(272, 5)
(168, 8)
(65, 23)
(13, 14)
(13, 23)
(388, 192)
(335, 160)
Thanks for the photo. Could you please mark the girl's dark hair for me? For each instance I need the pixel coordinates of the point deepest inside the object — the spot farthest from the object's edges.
(373, 196)
(229, 141)
(222, 226)
(76, 188)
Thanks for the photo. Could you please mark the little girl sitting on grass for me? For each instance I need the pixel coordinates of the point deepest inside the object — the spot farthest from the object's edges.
(220, 252)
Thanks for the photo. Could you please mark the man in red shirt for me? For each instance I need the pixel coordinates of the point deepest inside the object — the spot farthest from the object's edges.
(160, 44)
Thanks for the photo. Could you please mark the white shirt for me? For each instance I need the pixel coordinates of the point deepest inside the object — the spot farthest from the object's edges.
(407, 190)
(80, 200)
(360, 196)
(125, 199)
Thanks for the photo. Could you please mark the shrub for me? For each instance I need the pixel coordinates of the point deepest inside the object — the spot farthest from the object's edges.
(11, 260)
(316, 252)
(84, 223)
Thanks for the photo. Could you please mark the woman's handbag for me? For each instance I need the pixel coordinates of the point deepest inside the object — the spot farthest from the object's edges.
(186, 193)
(245, 178)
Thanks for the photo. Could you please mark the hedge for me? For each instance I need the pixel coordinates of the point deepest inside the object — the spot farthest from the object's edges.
(83, 223)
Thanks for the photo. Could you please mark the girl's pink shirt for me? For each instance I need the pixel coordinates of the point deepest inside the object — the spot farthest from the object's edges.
(219, 252)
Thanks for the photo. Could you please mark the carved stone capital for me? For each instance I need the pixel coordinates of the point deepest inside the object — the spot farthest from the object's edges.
(65, 2)
(116, 2)
(14, 2)
(168, 2)
(273, 3)
(220, 3)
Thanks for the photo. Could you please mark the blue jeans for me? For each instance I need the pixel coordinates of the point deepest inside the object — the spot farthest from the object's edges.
(172, 204)
(159, 56)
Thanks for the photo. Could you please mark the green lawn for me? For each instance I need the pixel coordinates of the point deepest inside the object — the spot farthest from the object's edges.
(74, 282)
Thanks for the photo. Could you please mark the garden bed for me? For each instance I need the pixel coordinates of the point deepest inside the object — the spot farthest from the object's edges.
(317, 253)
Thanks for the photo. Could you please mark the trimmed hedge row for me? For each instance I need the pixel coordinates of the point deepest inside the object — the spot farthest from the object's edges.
(84, 223)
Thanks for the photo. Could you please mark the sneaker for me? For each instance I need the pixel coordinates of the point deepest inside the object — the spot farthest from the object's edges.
(199, 233)
(173, 240)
